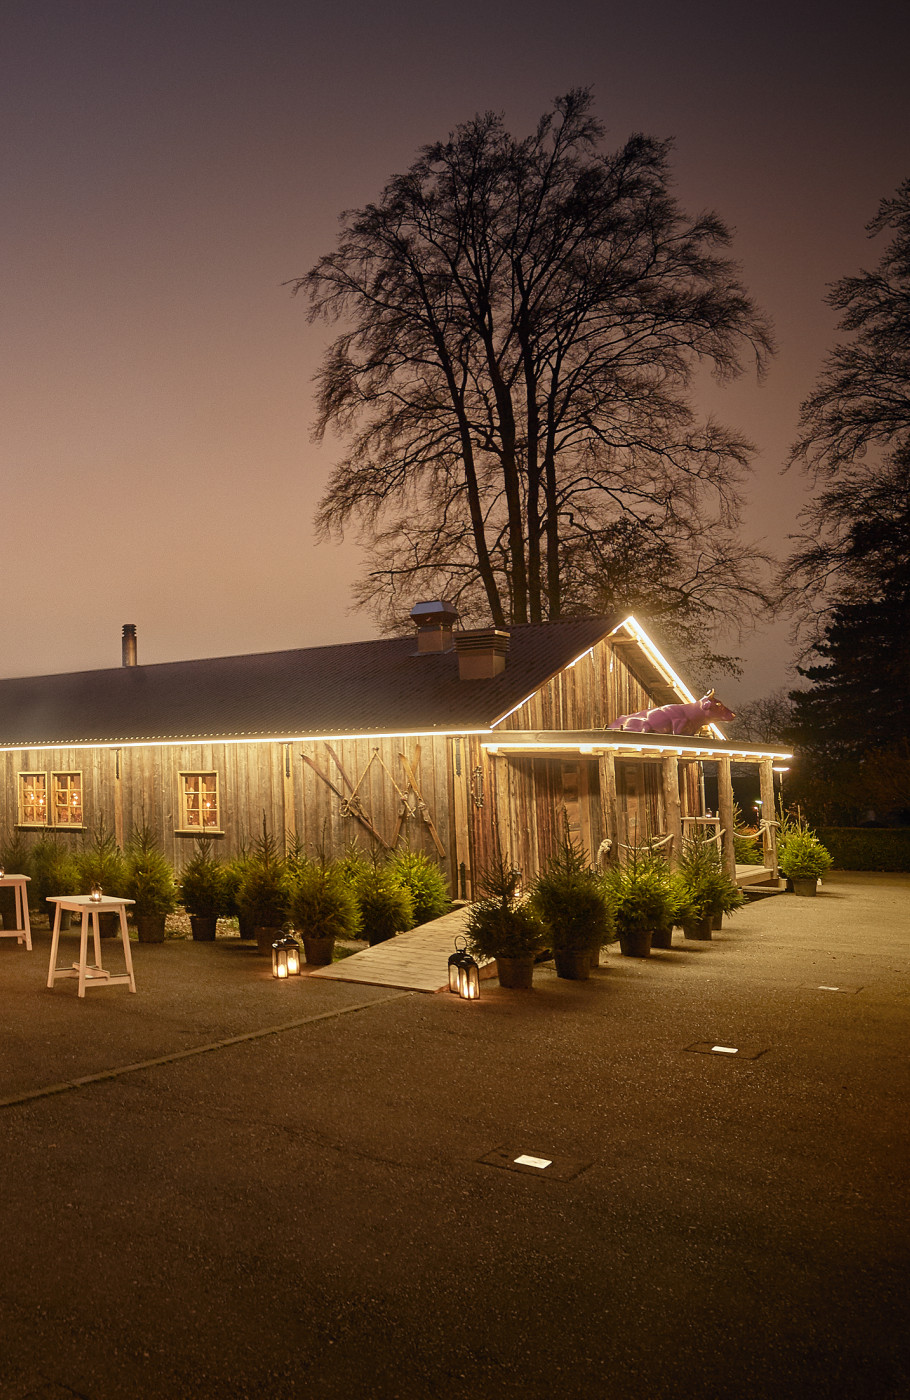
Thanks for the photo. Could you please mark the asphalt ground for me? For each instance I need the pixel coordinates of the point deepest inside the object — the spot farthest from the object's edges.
(227, 1187)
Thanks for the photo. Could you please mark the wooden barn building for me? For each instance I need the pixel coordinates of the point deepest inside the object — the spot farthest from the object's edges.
(452, 740)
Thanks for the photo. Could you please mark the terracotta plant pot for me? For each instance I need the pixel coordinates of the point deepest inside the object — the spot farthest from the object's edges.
(516, 973)
(265, 937)
(150, 927)
(808, 888)
(635, 945)
(318, 951)
(701, 928)
(203, 926)
(574, 964)
(662, 937)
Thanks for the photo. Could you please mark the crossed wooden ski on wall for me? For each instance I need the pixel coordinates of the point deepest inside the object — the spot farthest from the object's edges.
(411, 804)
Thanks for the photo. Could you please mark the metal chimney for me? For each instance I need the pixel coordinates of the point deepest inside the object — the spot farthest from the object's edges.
(129, 644)
(434, 622)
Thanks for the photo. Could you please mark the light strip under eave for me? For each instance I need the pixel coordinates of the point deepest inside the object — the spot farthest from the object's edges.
(640, 744)
(333, 738)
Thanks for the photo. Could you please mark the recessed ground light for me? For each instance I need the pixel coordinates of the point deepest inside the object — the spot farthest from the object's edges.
(553, 1168)
(740, 1052)
(828, 987)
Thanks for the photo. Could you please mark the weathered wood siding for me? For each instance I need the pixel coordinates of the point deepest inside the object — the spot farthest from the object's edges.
(588, 695)
(129, 787)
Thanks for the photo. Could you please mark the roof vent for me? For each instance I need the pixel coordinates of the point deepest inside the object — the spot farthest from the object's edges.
(129, 644)
(434, 623)
(481, 653)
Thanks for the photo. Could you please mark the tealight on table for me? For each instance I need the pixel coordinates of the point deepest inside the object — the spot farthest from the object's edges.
(23, 929)
(90, 974)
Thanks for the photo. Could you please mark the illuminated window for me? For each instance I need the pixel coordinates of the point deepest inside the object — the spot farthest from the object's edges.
(66, 799)
(200, 807)
(33, 799)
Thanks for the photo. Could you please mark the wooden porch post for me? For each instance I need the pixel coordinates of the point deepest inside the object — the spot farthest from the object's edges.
(606, 764)
(725, 812)
(669, 769)
(769, 835)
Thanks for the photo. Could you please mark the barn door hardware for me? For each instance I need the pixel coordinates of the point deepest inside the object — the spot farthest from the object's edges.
(422, 807)
(351, 806)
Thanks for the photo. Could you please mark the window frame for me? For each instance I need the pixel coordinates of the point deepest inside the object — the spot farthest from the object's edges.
(21, 779)
(49, 778)
(54, 806)
(185, 828)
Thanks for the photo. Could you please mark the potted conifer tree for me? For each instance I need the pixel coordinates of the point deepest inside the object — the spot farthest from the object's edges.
(262, 895)
(203, 891)
(323, 907)
(150, 884)
(501, 926)
(570, 899)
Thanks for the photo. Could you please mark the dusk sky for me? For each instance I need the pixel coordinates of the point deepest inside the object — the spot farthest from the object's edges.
(168, 166)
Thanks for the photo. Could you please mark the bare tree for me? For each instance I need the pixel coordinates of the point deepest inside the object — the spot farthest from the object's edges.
(521, 323)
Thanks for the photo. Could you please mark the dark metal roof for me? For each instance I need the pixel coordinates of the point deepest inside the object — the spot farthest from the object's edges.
(358, 687)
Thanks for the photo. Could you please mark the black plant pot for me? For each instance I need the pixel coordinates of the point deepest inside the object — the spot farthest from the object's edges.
(203, 926)
(573, 964)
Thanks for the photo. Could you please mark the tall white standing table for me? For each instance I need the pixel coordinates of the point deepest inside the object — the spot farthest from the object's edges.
(90, 974)
(23, 930)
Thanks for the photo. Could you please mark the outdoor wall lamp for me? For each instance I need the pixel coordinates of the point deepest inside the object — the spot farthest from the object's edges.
(285, 957)
(464, 973)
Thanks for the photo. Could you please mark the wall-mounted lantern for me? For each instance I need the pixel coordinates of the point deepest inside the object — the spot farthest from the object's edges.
(285, 957)
(464, 973)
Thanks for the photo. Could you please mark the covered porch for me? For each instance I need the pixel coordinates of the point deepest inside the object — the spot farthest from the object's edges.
(619, 791)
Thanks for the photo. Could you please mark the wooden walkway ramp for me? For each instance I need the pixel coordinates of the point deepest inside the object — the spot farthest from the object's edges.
(417, 961)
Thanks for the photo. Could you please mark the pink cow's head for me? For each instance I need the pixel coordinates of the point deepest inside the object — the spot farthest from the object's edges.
(713, 709)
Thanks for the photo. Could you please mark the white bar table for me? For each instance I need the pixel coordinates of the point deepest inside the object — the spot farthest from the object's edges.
(90, 974)
(23, 929)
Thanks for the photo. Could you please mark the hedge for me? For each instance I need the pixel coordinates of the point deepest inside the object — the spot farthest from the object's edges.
(867, 847)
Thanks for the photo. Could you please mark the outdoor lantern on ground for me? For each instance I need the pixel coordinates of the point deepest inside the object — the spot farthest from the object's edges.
(285, 957)
(464, 973)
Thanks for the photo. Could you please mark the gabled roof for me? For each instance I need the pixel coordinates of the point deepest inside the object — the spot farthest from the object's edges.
(355, 688)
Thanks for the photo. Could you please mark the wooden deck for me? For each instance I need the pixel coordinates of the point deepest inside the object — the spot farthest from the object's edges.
(756, 875)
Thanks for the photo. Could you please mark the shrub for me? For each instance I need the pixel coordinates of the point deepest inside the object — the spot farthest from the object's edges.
(203, 887)
(149, 875)
(15, 855)
(570, 899)
(101, 862)
(424, 881)
(262, 895)
(638, 893)
(322, 903)
(54, 871)
(499, 925)
(802, 856)
(709, 888)
(867, 848)
(386, 907)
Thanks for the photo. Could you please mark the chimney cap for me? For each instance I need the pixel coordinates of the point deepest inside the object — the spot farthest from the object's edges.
(429, 612)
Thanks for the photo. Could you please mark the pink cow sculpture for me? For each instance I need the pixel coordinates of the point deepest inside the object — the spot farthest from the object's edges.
(675, 719)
